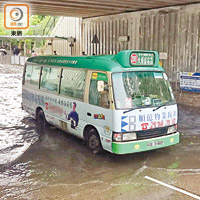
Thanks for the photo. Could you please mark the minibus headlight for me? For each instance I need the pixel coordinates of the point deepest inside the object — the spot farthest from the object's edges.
(172, 129)
(129, 136)
(124, 136)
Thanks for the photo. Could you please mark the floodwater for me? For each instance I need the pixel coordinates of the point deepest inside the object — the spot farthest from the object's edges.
(54, 165)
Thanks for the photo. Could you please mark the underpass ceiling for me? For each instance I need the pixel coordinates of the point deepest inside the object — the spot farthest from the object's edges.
(93, 8)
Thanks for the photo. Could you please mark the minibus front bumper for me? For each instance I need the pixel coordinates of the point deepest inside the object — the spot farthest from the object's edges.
(145, 145)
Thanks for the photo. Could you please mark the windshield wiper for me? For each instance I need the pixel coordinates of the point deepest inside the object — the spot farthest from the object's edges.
(160, 106)
(133, 109)
(145, 107)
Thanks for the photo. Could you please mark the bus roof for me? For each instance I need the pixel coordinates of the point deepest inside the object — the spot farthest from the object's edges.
(127, 60)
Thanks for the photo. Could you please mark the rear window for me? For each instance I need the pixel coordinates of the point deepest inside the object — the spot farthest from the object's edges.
(32, 74)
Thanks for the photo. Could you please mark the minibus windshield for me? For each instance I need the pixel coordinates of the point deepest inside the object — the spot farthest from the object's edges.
(141, 89)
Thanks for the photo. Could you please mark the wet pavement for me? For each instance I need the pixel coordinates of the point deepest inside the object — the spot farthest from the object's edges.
(55, 165)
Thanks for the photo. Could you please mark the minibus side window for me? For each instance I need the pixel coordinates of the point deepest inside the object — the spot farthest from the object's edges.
(96, 97)
(32, 75)
(50, 78)
(73, 83)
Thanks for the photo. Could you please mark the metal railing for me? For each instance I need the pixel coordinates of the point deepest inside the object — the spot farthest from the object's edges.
(13, 60)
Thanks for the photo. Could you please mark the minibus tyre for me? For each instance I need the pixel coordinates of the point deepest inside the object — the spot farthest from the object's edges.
(41, 121)
(93, 142)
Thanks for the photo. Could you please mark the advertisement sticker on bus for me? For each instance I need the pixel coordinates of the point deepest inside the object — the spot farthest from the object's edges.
(148, 120)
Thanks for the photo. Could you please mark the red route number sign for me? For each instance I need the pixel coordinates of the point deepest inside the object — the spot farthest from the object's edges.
(134, 58)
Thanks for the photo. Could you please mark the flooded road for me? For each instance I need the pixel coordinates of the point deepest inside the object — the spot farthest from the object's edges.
(54, 165)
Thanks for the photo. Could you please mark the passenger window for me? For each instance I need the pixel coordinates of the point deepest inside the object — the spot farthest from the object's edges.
(50, 78)
(99, 96)
(73, 83)
(32, 75)
(28, 73)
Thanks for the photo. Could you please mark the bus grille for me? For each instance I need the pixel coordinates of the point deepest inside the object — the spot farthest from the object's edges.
(145, 134)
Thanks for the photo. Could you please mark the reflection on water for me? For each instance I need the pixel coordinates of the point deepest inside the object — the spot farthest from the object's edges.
(55, 165)
(16, 131)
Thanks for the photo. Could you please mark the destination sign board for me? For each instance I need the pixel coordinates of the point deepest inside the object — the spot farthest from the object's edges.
(142, 59)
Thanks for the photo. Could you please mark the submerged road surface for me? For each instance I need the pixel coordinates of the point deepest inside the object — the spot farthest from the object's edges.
(55, 165)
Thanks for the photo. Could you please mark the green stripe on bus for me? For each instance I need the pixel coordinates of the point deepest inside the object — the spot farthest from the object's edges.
(99, 76)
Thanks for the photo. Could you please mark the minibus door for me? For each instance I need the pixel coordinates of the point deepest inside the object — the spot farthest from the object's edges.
(98, 111)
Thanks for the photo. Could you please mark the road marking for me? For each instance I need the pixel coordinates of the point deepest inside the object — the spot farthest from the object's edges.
(173, 188)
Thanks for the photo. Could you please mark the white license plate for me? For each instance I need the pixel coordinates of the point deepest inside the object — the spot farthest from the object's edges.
(155, 144)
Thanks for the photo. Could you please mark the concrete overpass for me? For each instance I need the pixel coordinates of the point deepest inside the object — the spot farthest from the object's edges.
(94, 8)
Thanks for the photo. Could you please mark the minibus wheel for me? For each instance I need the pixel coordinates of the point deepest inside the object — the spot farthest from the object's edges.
(93, 142)
(40, 121)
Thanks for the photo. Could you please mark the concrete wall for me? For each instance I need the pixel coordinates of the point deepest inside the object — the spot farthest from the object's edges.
(66, 27)
(188, 98)
(175, 30)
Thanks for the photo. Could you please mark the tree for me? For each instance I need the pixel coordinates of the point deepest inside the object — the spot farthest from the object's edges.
(3, 31)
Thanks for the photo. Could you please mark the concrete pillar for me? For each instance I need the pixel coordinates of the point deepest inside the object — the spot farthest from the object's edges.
(10, 53)
(52, 46)
(24, 51)
(34, 47)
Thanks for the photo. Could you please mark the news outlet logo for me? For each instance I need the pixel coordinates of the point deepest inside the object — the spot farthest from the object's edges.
(16, 16)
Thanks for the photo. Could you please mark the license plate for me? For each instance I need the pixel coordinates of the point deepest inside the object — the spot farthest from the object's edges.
(155, 144)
